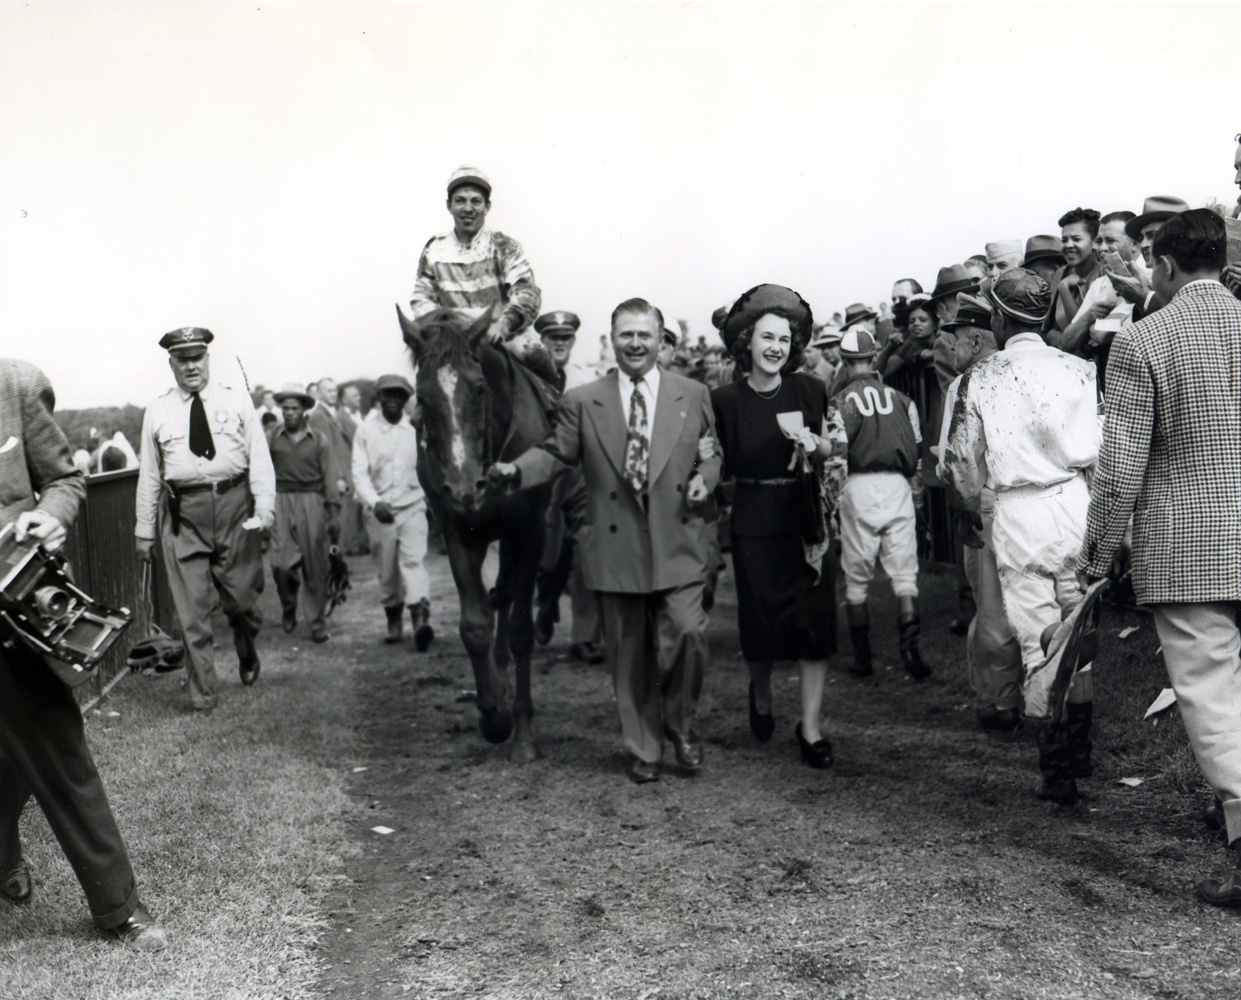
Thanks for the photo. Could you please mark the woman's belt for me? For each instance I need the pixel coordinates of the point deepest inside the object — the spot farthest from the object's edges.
(773, 481)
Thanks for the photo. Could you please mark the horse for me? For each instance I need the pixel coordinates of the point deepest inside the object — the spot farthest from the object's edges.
(477, 406)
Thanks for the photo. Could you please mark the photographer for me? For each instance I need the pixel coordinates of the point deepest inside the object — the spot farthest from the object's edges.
(43, 749)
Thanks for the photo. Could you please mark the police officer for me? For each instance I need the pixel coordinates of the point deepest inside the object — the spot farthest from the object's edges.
(206, 466)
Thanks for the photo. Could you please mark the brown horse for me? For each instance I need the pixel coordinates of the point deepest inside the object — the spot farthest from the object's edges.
(477, 406)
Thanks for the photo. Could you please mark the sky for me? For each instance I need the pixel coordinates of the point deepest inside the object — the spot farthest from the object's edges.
(271, 170)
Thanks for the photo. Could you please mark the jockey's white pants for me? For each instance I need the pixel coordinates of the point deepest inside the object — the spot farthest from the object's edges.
(877, 519)
(1037, 535)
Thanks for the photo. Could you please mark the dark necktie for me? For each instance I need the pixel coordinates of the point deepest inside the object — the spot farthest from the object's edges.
(201, 442)
(638, 442)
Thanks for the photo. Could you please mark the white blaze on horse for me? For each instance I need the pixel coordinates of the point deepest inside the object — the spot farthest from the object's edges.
(477, 406)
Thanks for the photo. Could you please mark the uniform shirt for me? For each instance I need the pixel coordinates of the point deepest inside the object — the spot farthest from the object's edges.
(304, 464)
(166, 457)
(1025, 416)
(881, 424)
(490, 269)
(385, 460)
(649, 387)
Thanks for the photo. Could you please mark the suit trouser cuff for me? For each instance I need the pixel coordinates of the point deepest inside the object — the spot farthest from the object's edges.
(110, 921)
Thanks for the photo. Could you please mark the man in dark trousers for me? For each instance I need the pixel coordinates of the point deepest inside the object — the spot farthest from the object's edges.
(1171, 460)
(635, 433)
(43, 749)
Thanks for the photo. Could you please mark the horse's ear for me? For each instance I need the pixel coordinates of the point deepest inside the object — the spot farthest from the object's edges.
(409, 330)
(478, 329)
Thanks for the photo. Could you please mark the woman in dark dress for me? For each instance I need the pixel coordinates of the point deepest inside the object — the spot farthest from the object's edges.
(785, 607)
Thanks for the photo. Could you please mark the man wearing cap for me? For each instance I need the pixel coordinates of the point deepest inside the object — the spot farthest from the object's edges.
(1045, 258)
(307, 512)
(1003, 255)
(1025, 429)
(950, 282)
(877, 515)
(636, 435)
(992, 655)
(473, 269)
(1171, 461)
(204, 454)
(385, 457)
(559, 568)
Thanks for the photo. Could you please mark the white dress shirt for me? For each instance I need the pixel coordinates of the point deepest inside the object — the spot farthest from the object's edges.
(648, 386)
(385, 458)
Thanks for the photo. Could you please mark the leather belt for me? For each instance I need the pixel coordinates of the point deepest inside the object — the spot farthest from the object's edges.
(221, 486)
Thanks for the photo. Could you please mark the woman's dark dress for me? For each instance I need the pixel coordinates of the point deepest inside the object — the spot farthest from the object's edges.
(782, 613)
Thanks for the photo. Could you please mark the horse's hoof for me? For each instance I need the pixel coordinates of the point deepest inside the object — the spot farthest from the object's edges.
(523, 752)
(496, 724)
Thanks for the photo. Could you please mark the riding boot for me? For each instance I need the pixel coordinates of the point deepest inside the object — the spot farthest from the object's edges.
(1056, 764)
(420, 616)
(1078, 724)
(859, 634)
(909, 624)
(396, 620)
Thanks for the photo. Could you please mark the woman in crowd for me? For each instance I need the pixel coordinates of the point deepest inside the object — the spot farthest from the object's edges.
(921, 328)
(1079, 228)
(785, 602)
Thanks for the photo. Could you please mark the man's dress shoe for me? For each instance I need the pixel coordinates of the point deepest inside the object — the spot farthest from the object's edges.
(248, 669)
(142, 932)
(1221, 892)
(641, 771)
(15, 883)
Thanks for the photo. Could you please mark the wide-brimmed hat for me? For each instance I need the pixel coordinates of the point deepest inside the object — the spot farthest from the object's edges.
(718, 317)
(292, 390)
(468, 175)
(1044, 247)
(952, 279)
(393, 382)
(1156, 208)
(858, 344)
(1021, 295)
(857, 313)
(759, 300)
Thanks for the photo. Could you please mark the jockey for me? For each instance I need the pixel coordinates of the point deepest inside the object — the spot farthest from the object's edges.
(877, 504)
(472, 268)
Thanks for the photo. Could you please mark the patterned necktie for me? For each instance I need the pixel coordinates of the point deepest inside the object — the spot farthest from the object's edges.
(201, 442)
(638, 443)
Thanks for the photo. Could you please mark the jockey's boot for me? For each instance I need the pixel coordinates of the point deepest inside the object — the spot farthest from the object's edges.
(859, 634)
(909, 624)
(1056, 764)
(420, 616)
(1078, 724)
(396, 621)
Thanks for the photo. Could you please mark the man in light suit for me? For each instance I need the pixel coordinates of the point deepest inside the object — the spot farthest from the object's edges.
(636, 433)
(43, 749)
(1171, 459)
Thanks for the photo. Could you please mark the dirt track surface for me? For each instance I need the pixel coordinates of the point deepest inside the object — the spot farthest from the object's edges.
(920, 866)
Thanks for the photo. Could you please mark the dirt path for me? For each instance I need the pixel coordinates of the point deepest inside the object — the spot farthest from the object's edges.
(920, 866)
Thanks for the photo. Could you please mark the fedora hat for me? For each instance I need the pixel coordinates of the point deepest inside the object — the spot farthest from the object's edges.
(1156, 208)
(1044, 248)
(827, 337)
(952, 279)
(292, 390)
(858, 312)
(763, 299)
(857, 344)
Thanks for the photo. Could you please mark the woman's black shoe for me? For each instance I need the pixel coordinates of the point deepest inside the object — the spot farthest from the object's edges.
(816, 754)
(762, 726)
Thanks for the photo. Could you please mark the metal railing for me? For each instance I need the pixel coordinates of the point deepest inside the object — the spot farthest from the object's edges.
(105, 564)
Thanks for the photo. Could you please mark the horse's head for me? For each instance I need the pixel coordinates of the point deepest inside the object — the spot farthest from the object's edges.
(454, 405)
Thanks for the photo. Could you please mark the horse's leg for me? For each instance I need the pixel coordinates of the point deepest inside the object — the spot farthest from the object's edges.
(495, 715)
(521, 545)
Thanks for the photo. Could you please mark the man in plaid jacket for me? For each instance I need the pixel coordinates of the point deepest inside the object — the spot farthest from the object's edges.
(1171, 458)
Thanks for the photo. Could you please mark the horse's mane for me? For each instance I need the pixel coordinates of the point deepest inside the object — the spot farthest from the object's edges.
(443, 341)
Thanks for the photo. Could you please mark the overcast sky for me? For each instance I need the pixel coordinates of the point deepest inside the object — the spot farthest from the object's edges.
(271, 169)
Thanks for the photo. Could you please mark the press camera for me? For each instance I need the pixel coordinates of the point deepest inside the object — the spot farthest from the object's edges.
(43, 608)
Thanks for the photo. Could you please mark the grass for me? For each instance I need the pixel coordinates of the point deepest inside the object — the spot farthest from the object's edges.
(235, 826)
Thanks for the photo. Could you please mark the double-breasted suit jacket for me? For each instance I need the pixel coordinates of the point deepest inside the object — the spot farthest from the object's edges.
(633, 543)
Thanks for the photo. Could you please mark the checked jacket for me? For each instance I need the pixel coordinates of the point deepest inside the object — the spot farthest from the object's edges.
(1171, 452)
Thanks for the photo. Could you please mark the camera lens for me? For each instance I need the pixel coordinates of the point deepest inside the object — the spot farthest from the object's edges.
(52, 602)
